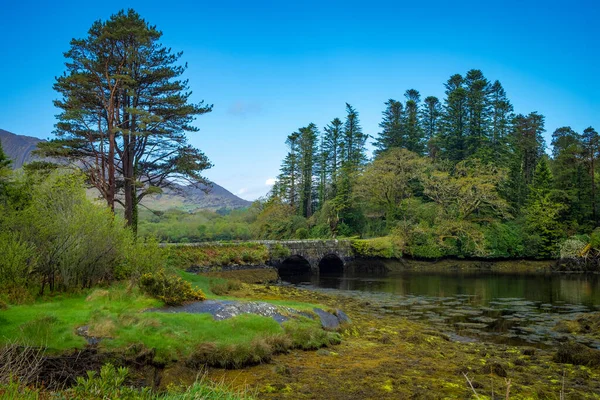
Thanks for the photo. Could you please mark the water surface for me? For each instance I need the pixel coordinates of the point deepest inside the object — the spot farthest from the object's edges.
(508, 308)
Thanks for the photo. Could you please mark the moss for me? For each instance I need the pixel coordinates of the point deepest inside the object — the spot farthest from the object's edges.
(577, 354)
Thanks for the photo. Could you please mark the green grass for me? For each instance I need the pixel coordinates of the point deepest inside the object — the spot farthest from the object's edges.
(201, 282)
(110, 383)
(116, 314)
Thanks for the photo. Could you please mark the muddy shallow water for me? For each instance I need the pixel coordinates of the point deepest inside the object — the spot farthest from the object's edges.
(482, 306)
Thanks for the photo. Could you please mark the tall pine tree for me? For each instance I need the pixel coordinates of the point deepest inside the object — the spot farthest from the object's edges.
(414, 133)
(392, 128)
(454, 121)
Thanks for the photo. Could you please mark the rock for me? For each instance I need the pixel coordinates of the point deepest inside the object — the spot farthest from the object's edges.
(328, 320)
(577, 354)
(342, 317)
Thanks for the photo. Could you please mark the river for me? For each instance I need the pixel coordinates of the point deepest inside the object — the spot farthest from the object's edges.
(532, 309)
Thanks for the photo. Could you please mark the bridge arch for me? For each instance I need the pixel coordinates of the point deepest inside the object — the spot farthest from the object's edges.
(294, 268)
(331, 264)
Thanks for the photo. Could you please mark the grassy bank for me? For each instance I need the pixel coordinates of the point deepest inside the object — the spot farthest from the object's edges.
(116, 317)
(386, 356)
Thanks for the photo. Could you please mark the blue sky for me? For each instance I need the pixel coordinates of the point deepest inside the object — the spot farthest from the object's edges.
(270, 67)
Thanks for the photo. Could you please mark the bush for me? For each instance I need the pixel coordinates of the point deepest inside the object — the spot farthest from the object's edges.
(302, 233)
(17, 260)
(279, 252)
(109, 385)
(383, 247)
(77, 242)
(169, 288)
(572, 248)
(141, 257)
(217, 255)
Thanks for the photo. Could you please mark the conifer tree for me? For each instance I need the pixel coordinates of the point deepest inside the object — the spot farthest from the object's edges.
(501, 117)
(392, 128)
(124, 113)
(454, 122)
(289, 173)
(430, 116)
(591, 150)
(414, 133)
(333, 146)
(354, 140)
(527, 146)
(307, 155)
(477, 87)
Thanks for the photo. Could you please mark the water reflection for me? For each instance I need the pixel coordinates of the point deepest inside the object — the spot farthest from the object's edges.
(514, 309)
(482, 287)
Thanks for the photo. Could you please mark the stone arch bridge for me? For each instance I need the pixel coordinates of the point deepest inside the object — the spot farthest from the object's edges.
(301, 257)
(297, 257)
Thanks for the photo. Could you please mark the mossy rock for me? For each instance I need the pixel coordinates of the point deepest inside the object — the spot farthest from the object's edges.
(577, 354)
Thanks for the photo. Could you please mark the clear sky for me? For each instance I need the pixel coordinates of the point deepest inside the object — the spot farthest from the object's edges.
(270, 67)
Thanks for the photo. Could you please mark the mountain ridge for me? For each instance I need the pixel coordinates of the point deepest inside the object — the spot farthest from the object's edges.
(192, 197)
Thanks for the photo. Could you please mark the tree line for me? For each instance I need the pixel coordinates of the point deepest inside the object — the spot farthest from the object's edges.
(450, 176)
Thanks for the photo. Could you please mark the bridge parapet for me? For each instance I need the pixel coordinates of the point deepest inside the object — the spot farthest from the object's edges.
(312, 251)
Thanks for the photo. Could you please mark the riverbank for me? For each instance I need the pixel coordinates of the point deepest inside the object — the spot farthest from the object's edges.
(386, 356)
(368, 265)
(382, 355)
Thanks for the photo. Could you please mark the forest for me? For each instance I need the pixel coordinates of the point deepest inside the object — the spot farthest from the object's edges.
(464, 176)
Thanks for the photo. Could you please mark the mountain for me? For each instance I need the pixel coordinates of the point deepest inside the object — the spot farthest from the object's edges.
(192, 198)
(189, 198)
(18, 147)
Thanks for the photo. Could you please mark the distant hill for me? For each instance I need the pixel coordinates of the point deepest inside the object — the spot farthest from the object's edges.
(192, 198)
(19, 148)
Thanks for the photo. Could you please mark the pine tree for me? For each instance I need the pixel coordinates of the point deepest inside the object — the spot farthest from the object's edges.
(354, 140)
(392, 128)
(430, 117)
(4, 160)
(289, 173)
(477, 87)
(125, 111)
(501, 115)
(454, 120)
(543, 181)
(526, 146)
(333, 146)
(414, 133)
(308, 150)
(591, 150)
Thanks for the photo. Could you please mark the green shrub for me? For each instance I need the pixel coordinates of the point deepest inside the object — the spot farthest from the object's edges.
(17, 259)
(572, 248)
(383, 247)
(169, 288)
(216, 255)
(110, 384)
(595, 239)
(302, 233)
(279, 252)
(141, 257)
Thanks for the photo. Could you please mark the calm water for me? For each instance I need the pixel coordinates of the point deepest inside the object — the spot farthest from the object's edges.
(513, 309)
(580, 289)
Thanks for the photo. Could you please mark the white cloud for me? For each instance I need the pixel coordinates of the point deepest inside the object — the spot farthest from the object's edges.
(270, 181)
(241, 191)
